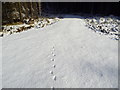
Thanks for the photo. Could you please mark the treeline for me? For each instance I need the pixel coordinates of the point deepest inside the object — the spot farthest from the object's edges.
(18, 11)
(93, 8)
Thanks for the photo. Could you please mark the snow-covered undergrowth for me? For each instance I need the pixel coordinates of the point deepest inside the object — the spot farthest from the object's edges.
(104, 25)
(38, 23)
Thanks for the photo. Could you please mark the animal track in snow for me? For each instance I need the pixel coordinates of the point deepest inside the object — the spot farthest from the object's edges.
(51, 72)
(54, 66)
(54, 78)
(53, 54)
(52, 88)
(53, 48)
(52, 59)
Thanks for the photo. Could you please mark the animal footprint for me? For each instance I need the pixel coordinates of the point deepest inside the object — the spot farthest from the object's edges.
(53, 49)
(54, 66)
(54, 55)
(52, 59)
(51, 72)
(54, 78)
(52, 88)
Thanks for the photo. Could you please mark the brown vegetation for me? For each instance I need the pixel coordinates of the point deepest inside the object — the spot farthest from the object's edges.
(18, 11)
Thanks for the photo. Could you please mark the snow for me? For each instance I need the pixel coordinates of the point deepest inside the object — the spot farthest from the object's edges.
(0, 63)
(106, 25)
(37, 23)
(83, 59)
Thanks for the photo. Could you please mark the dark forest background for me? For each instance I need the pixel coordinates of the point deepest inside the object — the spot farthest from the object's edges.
(101, 8)
(18, 11)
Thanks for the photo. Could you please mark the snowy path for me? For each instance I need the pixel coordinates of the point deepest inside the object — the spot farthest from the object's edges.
(82, 58)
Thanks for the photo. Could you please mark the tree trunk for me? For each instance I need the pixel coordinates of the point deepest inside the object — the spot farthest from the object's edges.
(20, 11)
(31, 10)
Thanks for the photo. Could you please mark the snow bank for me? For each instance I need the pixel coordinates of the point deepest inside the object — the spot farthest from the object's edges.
(109, 26)
(38, 23)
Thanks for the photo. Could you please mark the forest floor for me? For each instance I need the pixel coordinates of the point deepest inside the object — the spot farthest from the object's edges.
(65, 54)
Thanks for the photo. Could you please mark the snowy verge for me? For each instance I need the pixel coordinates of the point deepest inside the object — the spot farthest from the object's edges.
(109, 26)
(28, 24)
